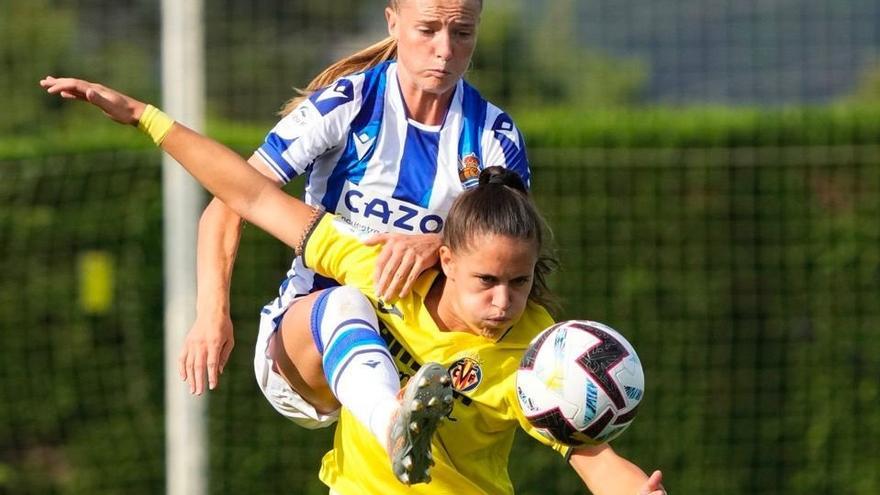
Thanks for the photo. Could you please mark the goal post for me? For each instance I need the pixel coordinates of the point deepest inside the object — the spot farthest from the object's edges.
(183, 97)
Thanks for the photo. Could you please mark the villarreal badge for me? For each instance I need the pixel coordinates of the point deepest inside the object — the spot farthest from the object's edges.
(466, 374)
(469, 170)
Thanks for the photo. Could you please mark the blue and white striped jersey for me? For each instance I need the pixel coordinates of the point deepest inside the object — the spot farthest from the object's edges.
(366, 161)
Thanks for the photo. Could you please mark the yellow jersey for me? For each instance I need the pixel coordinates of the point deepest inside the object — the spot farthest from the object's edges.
(471, 449)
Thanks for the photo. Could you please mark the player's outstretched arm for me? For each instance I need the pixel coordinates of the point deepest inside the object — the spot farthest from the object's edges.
(220, 170)
(606, 473)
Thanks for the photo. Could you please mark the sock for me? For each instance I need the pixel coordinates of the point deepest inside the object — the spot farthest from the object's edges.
(358, 367)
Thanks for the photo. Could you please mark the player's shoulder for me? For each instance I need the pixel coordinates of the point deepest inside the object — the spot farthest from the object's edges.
(346, 90)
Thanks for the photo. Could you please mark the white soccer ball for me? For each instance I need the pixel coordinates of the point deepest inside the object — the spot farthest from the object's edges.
(580, 383)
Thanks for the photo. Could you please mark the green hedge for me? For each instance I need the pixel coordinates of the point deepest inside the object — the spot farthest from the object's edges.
(701, 127)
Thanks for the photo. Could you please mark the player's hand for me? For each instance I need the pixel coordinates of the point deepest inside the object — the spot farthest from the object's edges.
(654, 485)
(403, 258)
(119, 107)
(205, 352)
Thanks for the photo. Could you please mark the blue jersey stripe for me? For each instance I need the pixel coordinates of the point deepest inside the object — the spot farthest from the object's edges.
(365, 127)
(418, 167)
(474, 113)
(273, 148)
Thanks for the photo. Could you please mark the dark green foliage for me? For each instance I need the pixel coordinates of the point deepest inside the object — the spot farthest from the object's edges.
(82, 392)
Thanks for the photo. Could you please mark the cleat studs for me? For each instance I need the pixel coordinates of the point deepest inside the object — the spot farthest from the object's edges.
(423, 382)
(407, 464)
(444, 380)
(416, 405)
(414, 427)
(447, 399)
(404, 478)
(433, 402)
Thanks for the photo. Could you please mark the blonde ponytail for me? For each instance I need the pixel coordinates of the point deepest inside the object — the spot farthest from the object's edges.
(358, 62)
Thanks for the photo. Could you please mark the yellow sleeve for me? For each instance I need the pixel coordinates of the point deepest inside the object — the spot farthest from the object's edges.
(335, 249)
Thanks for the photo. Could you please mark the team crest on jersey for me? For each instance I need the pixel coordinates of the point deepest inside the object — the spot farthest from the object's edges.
(466, 374)
(469, 170)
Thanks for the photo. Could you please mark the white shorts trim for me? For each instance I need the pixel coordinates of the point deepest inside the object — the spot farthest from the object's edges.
(288, 402)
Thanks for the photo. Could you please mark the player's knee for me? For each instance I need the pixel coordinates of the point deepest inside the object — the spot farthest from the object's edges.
(351, 297)
(339, 304)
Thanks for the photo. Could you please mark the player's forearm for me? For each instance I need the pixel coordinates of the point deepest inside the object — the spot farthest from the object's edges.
(218, 240)
(247, 192)
(606, 473)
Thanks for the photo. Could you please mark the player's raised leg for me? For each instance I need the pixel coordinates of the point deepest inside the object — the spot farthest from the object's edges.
(358, 370)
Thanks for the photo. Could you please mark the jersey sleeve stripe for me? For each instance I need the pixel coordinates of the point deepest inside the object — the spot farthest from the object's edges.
(272, 152)
(418, 167)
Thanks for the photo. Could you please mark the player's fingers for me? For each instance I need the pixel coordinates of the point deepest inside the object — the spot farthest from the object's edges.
(212, 364)
(389, 268)
(400, 277)
(63, 90)
(393, 279)
(66, 84)
(190, 375)
(656, 480)
(225, 352)
(381, 264)
(654, 485)
(200, 370)
(420, 264)
(181, 363)
(410, 280)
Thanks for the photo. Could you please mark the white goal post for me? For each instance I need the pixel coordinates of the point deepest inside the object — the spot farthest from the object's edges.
(183, 96)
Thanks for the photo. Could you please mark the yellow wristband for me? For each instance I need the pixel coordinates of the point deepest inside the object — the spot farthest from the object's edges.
(155, 123)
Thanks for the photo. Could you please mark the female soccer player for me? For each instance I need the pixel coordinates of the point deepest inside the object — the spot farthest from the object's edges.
(388, 137)
(475, 316)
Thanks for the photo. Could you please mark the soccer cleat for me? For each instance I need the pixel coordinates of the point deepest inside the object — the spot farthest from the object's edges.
(422, 405)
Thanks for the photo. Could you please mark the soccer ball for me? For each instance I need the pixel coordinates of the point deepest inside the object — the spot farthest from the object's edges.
(580, 383)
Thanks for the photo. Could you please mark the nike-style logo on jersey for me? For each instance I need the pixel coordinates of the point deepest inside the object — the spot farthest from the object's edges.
(366, 161)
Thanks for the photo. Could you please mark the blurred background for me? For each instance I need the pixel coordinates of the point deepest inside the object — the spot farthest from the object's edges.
(711, 170)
